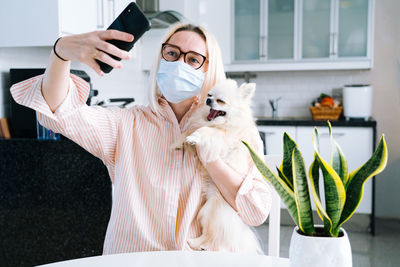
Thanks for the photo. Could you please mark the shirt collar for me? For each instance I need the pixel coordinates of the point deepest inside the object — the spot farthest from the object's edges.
(170, 115)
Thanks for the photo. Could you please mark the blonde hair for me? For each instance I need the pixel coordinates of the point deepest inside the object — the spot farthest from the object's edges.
(214, 74)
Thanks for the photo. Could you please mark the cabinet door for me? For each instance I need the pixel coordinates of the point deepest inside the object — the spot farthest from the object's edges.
(39, 23)
(353, 28)
(78, 16)
(356, 144)
(274, 138)
(281, 32)
(316, 28)
(247, 30)
(28, 23)
(216, 16)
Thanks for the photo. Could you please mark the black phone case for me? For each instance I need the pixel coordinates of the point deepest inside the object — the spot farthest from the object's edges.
(131, 20)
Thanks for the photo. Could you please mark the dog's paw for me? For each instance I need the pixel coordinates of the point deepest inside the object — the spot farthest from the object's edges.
(198, 243)
(194, 138)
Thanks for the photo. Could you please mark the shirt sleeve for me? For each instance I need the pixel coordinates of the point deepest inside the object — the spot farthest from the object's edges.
(92, 127)
(254, 196)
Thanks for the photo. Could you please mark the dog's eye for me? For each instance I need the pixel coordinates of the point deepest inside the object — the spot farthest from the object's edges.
(209, 95)
(219, 101)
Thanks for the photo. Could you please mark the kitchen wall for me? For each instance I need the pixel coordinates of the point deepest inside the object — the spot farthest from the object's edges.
(296, 88)
(385, 78)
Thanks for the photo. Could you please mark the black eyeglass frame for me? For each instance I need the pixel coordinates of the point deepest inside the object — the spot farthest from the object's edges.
(182, 53)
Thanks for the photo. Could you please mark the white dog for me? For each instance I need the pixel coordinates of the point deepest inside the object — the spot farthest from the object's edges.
(218, 128)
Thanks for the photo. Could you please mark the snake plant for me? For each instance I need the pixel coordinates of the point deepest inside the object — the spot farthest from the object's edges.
(343, 190)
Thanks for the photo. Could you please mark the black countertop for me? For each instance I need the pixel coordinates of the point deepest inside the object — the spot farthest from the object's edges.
(298, 121)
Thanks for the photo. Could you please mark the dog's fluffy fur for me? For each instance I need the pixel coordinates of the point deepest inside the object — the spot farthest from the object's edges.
(217, 128)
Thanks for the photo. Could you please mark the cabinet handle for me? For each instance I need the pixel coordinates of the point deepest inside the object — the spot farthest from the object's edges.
(101, 24)
(333, 43)
(269, 133)
(261, 50)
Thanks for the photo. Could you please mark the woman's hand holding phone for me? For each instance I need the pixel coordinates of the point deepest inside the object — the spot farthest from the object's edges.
(88, 47)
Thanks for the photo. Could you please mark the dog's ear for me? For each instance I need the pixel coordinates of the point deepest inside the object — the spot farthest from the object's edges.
(247, 90)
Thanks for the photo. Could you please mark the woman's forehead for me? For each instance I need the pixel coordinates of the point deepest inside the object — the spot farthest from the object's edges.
(189, 41)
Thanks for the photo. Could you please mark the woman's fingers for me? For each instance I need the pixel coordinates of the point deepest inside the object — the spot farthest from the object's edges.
(93, 64)
(117, 35)
(113, 50)
(104, 57)
(93, 45)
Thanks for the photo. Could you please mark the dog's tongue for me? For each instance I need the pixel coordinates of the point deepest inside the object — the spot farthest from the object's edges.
(213, 113)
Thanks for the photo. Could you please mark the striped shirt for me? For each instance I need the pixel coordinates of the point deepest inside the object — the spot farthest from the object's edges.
(157, 190)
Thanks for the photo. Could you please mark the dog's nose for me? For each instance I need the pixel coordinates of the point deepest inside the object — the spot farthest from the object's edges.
(208, 102)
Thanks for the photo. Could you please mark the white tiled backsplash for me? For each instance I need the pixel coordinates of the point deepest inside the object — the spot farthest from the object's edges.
(297, 88)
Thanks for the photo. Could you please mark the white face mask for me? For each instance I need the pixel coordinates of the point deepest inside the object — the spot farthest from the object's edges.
(178, 81)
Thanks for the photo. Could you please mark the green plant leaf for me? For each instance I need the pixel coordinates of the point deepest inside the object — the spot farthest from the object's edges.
(314, 185)
(301, 194)
(286, 167)
(335, 195)
(339, 163)
(315, 140)
(338, 160)
(283, 177)
(358, 177)
(313, 174)
(286, 193)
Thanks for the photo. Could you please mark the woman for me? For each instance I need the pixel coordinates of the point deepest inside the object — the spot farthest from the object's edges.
(157, 191)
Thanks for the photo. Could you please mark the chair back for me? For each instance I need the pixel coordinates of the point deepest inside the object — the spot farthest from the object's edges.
(275, 214)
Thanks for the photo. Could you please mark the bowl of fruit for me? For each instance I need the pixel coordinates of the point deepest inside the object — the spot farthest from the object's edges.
(325, 107)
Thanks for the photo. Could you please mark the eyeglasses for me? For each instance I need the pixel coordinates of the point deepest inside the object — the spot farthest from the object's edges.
(172, 53)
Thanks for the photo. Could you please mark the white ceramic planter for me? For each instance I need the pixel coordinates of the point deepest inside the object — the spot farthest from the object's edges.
(310, 251)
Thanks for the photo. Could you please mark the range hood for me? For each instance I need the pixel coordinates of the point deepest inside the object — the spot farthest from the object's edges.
(159, 19)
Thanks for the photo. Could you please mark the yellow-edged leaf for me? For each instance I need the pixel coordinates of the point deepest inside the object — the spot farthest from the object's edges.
(301, 194)
(335, 195)
(286, 193)
(358, 177)
(286, 167)
(314, 184)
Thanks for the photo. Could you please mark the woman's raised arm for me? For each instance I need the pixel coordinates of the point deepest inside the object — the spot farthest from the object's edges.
(85, 48)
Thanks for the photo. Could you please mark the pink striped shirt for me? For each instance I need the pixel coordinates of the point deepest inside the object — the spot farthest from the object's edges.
(157, 190)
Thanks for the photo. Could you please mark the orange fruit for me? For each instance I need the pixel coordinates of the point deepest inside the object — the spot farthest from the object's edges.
(327, 101)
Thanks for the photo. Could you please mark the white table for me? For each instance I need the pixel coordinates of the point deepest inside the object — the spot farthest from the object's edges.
(175, 258)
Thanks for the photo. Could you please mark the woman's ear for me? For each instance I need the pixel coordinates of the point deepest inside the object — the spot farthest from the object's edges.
(247, 90)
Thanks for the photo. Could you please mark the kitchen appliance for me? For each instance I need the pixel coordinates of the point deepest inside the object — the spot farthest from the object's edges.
(357, 101)
(159, 19)
(22, 119)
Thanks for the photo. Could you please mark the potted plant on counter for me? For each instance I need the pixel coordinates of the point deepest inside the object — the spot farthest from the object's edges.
(327, 244)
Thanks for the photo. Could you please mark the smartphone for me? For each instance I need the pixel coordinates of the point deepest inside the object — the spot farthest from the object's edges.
(131, 20)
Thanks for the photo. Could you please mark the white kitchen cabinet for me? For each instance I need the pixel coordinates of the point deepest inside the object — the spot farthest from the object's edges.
(273, 141)
(275, 35)
(216, 17)
(356, 143)
(41, 22)
(274, 137)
